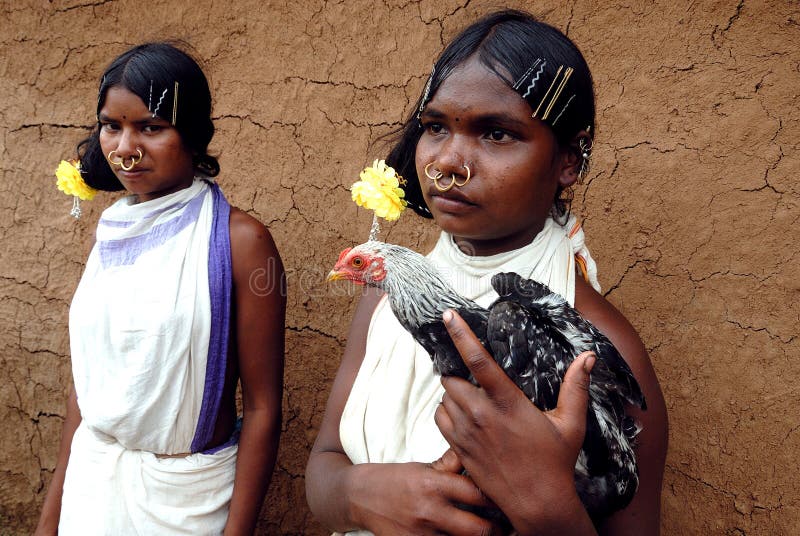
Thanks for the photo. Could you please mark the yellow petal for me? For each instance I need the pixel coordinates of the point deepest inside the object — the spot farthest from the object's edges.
(70, 182)
(379, 190)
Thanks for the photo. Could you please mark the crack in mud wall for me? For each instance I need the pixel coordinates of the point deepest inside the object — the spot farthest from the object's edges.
(690, 210)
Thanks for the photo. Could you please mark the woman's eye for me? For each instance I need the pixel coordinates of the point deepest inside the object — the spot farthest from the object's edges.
(434, 128)
(108, 127)
(498, 135)
(153, 128)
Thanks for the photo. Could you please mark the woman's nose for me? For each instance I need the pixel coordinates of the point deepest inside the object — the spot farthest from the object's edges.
(451, 159)
(128, 143)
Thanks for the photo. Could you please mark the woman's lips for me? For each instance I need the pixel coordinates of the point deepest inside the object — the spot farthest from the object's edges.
(132, 174)
(451, 203)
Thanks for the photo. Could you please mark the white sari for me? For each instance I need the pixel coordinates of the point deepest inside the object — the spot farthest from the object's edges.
(389, 415)
(149, 326)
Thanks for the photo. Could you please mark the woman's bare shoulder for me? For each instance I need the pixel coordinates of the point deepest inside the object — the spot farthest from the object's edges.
(247, 232)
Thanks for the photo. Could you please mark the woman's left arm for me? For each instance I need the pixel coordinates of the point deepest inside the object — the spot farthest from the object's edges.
(643, 514)
(260, 305)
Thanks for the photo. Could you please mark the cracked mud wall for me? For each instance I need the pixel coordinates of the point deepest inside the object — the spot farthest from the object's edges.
(690, 209)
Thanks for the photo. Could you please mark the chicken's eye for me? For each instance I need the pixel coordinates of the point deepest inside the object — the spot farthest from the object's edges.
(357, 262)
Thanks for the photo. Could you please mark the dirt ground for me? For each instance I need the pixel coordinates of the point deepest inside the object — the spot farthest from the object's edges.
(690, 210)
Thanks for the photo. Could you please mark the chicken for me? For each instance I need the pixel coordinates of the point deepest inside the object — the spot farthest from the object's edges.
(534, 335)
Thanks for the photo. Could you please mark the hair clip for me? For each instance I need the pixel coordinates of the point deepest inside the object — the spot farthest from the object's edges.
(150, 100)
(518, 84)
(567, 72)
(563, 110)
(557, 93)
(426, 93)
(523, 77)
(155, 112)
(175, 104)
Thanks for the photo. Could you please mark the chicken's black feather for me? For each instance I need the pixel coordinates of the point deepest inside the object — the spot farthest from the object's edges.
(534, 335)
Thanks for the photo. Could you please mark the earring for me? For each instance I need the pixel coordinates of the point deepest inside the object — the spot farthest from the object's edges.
(121, 161)
(586, 154)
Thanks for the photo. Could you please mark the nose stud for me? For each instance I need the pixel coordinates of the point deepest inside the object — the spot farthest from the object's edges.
(438, 175)
(121, 161)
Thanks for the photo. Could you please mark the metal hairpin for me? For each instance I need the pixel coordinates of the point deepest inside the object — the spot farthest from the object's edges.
(546, 93)
(164, 94)
(522, 78)
(426, 93)
(150, 100)
(563, 109)
(535, 78)
(175, 104)
(558, 89)
(557, 93)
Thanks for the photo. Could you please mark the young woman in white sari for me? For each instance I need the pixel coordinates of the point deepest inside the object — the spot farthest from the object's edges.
(165, 322)
(502, 130)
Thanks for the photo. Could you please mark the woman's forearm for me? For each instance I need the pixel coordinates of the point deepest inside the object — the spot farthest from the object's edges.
(565, 518)
(51, 509)
(329, 477)
(258, 449)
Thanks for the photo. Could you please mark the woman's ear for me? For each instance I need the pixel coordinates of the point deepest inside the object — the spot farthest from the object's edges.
(575, 158)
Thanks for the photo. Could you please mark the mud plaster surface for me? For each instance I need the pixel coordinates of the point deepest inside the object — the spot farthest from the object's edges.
(691, 210)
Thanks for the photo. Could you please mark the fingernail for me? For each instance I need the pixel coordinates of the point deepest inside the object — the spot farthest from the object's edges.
(448, 315)
(589, 361)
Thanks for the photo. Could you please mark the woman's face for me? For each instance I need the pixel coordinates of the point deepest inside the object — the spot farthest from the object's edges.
(476, 119)
(126, 127)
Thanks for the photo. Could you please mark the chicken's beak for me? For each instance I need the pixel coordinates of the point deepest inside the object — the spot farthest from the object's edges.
(333, 275)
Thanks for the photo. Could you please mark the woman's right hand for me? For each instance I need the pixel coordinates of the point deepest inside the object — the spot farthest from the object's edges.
(417, 498)
(400, 498)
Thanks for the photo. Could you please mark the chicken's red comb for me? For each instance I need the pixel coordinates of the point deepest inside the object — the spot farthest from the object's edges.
(343, 254)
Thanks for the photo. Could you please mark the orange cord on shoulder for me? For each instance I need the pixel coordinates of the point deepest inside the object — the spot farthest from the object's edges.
(581, 262)
(575, 228)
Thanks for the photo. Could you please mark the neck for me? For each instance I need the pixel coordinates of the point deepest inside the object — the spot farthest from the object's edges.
(417, 292)
(477, 247)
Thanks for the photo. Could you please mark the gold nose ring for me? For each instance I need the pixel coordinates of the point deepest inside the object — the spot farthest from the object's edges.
(121, 161)
(436, 177)
(465, 181)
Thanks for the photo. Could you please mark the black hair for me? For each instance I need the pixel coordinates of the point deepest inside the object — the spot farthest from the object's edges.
(150, 71)
(509, 43)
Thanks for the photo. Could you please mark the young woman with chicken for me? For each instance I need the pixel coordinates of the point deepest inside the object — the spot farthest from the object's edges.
(166, 322)
(502, 130)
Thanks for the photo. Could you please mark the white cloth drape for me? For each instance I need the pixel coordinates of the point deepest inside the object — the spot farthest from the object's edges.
(110, 490)
(388, 416)
(140, 323)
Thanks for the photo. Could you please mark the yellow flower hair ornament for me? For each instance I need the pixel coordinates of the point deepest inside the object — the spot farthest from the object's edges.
(379, 190)
(71, 183)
